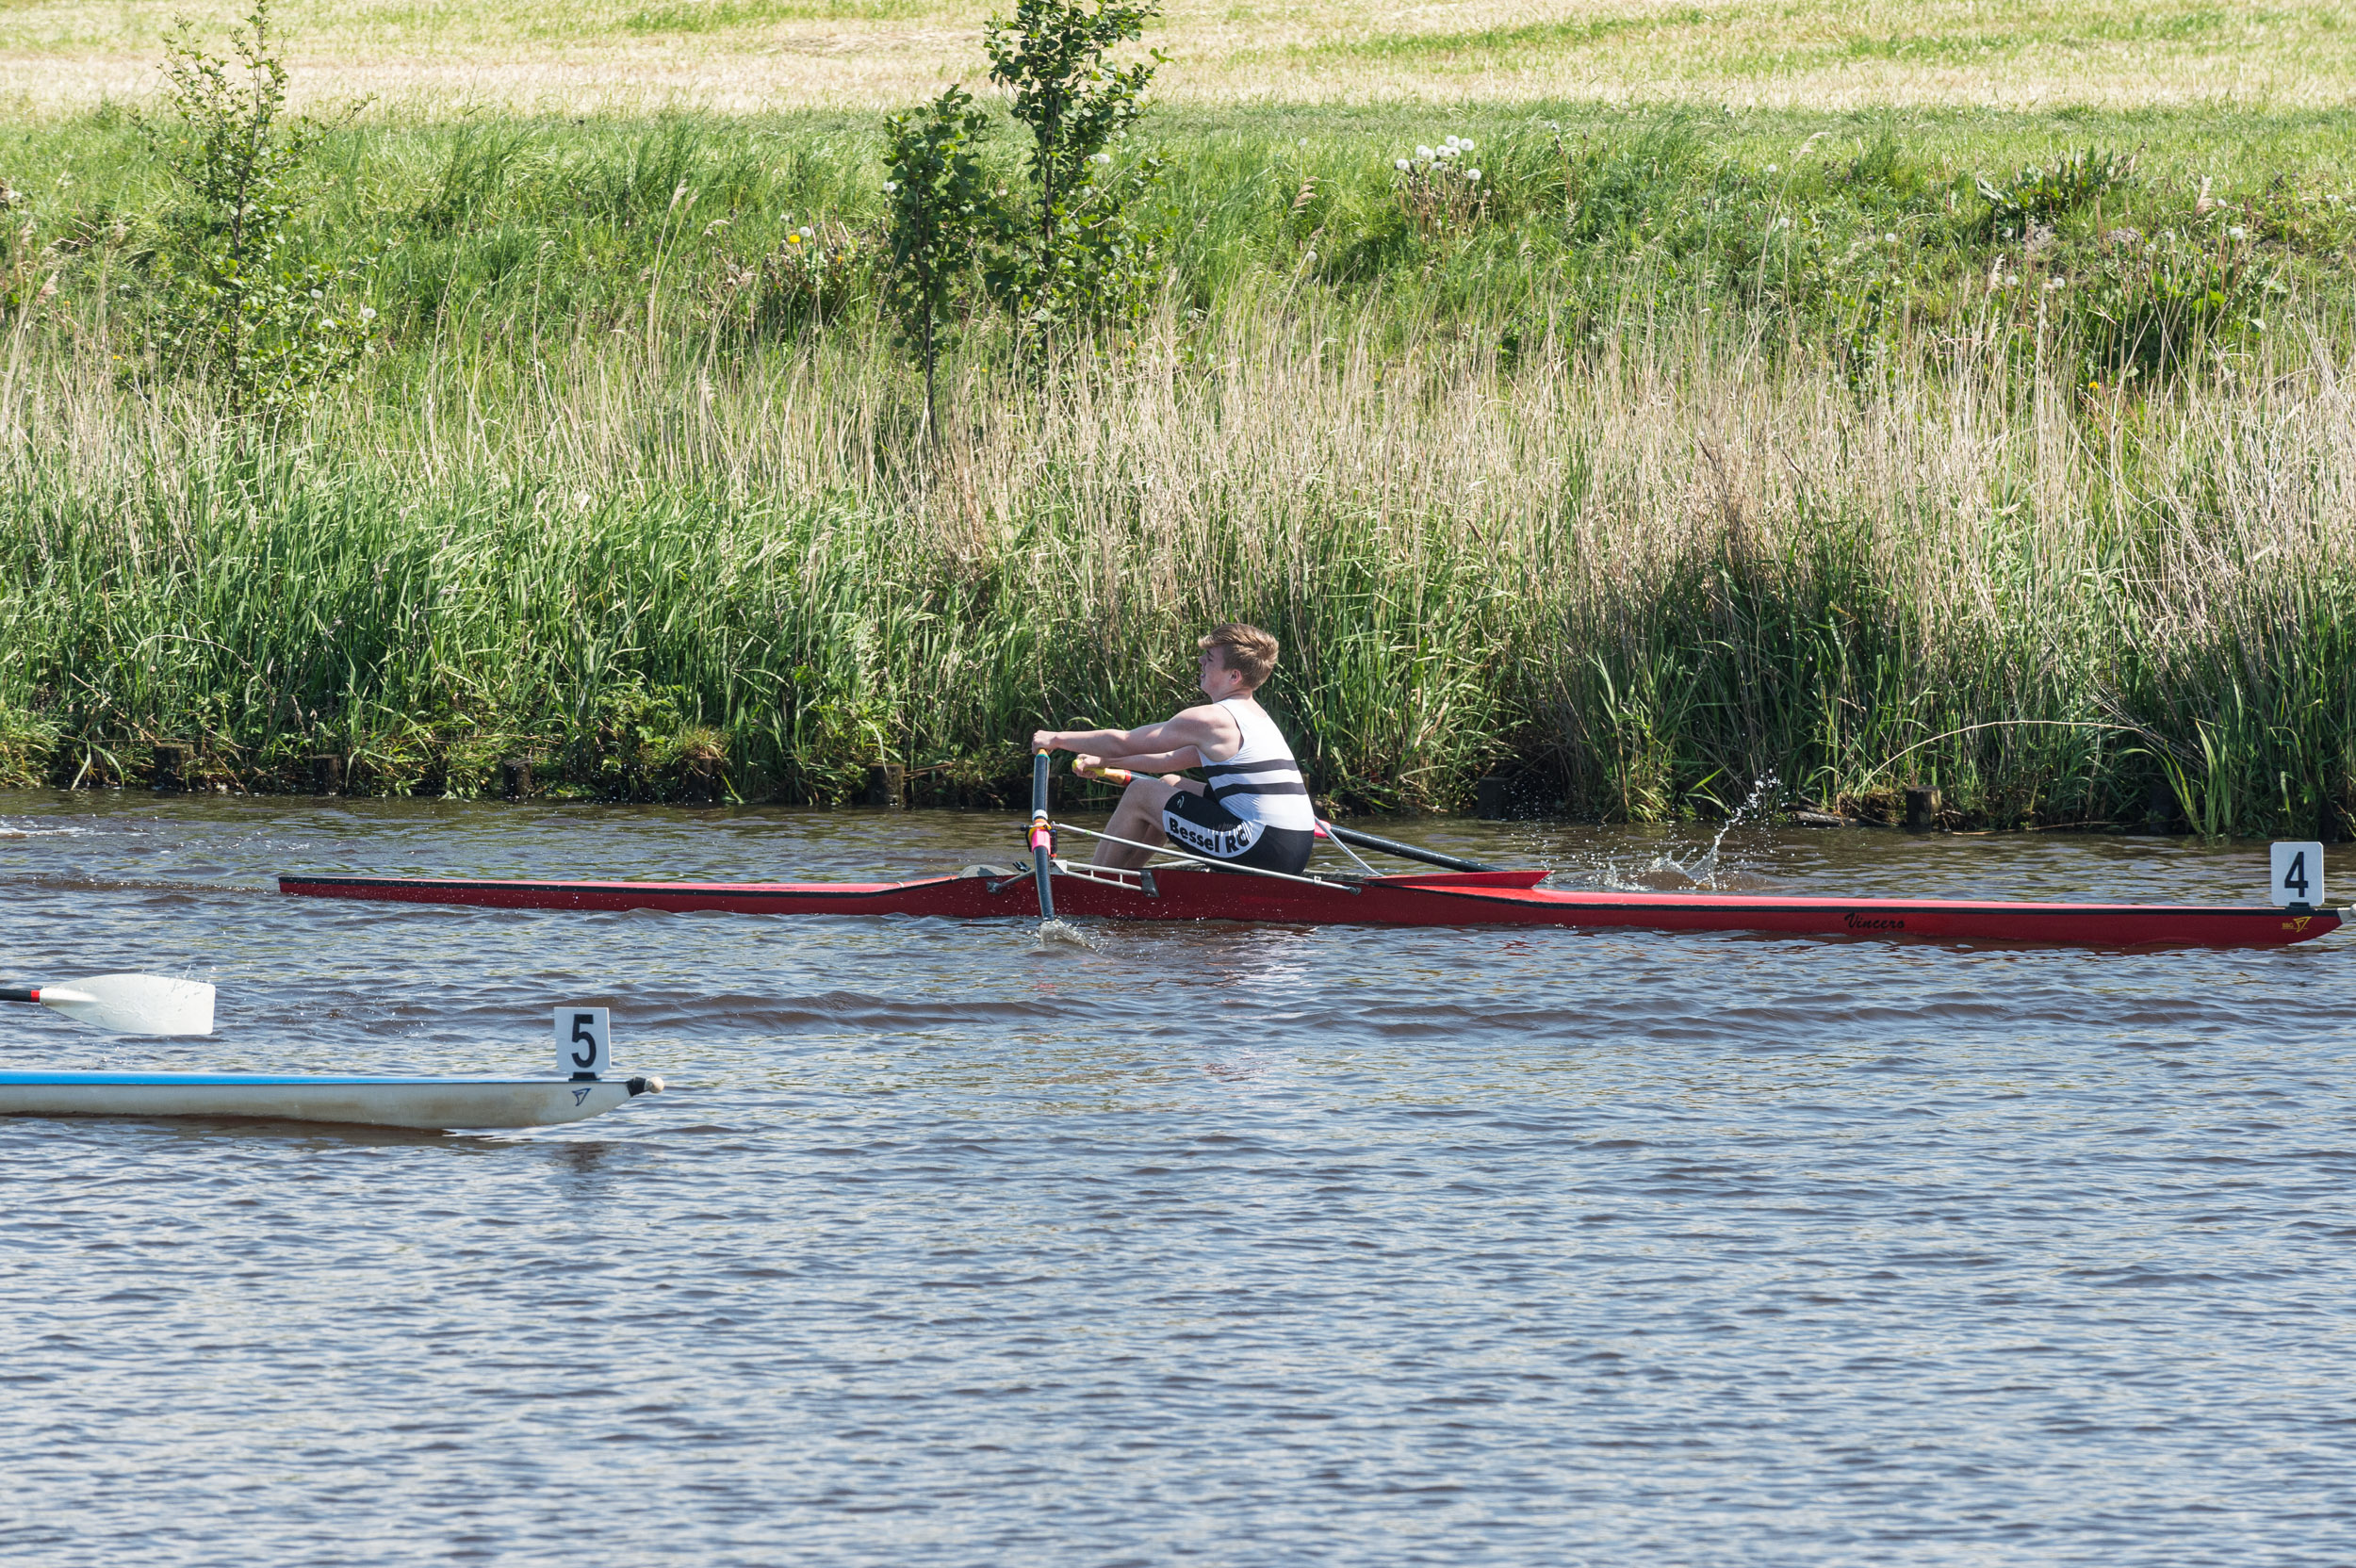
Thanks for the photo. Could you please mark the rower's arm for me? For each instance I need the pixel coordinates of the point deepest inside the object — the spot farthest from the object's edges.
(1172, 739)
(1163, 761)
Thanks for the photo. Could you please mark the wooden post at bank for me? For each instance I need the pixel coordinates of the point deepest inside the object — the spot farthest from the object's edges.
(514, 777)
(1922, 807)
(886, 782)
(168, 770)
(327, 775)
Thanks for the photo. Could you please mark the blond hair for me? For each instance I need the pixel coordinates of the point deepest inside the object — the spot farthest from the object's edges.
(1245, 649)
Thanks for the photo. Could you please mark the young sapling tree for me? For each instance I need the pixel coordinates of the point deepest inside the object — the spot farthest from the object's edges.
(940, 202)
(1052, 55)
(242, 304)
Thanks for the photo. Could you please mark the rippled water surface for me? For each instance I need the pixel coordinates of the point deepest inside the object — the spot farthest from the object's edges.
(1217, 1244)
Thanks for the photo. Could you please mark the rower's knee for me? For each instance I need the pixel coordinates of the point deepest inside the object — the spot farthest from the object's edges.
(1142, 800)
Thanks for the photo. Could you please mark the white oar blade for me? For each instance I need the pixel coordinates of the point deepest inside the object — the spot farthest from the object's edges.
(136, 1003)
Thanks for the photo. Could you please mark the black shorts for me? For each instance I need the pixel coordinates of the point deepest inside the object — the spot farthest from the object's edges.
(1200, 826)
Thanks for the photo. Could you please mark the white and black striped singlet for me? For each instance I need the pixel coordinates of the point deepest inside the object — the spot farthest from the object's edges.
(1256, 811)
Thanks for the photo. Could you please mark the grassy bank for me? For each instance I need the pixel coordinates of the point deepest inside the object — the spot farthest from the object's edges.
(1709, 446)
(610, 56)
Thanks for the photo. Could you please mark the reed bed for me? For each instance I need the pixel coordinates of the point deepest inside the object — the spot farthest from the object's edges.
(1709, 449)
(1645, 577)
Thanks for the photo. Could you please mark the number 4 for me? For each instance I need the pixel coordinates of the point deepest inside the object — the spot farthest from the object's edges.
(2298, 873)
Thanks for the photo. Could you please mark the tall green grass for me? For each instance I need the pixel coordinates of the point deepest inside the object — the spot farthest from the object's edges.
(1670, 473)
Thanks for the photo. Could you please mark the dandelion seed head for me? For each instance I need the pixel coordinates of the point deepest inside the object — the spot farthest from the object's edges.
(1890, 240)
(891, 186)
(1467, 145)
(1424, 153)
(1771, 168)
(1401, 163)
(2238, 231)
(1472, 175)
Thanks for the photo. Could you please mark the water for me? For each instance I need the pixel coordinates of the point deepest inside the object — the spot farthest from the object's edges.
(1220, 1245)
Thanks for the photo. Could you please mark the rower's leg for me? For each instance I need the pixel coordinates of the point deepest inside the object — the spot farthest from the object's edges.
(1139, 816)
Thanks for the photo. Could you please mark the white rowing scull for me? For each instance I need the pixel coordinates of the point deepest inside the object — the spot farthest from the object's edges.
(142, 1003)
(432, 1104)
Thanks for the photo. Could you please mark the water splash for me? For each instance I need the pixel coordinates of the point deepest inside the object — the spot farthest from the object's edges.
(1668, 872)
(1060, 933)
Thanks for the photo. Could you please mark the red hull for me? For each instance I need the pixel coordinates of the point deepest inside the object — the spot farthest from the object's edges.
(1488, 898)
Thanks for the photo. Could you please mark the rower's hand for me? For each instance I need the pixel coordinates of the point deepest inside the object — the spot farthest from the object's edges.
(1046, 740)
(1086, 766)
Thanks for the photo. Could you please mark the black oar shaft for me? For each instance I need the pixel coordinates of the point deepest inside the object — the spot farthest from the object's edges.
(1042, 836)
(1407, 852)
(18, 993)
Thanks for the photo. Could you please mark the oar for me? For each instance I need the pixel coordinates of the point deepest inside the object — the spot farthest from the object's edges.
(127, 1004)
(1346, 835)
(1405, 852)
(1042, 838)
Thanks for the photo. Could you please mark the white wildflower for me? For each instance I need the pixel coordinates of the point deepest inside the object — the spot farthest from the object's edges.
(1467, 145)
(366, 314)
(2238, 231)
(1771, 168)
(1100, 158)
(1472, 175)
(891, 186)
(1424, 153)
(1399, 163)
(1890, 240)
(1452, 141)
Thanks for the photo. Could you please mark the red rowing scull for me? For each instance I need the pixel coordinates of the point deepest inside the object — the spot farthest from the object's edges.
(1452, 898)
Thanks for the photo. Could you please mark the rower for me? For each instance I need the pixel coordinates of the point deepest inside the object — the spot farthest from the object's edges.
(1250, 808)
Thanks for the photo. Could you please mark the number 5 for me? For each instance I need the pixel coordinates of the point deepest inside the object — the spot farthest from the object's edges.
(585, 1030)
(584, 1043)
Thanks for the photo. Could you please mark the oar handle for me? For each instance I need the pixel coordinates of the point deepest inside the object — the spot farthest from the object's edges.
(1042, 838)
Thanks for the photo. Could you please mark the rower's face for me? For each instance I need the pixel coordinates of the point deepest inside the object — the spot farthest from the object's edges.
(1216, 677)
